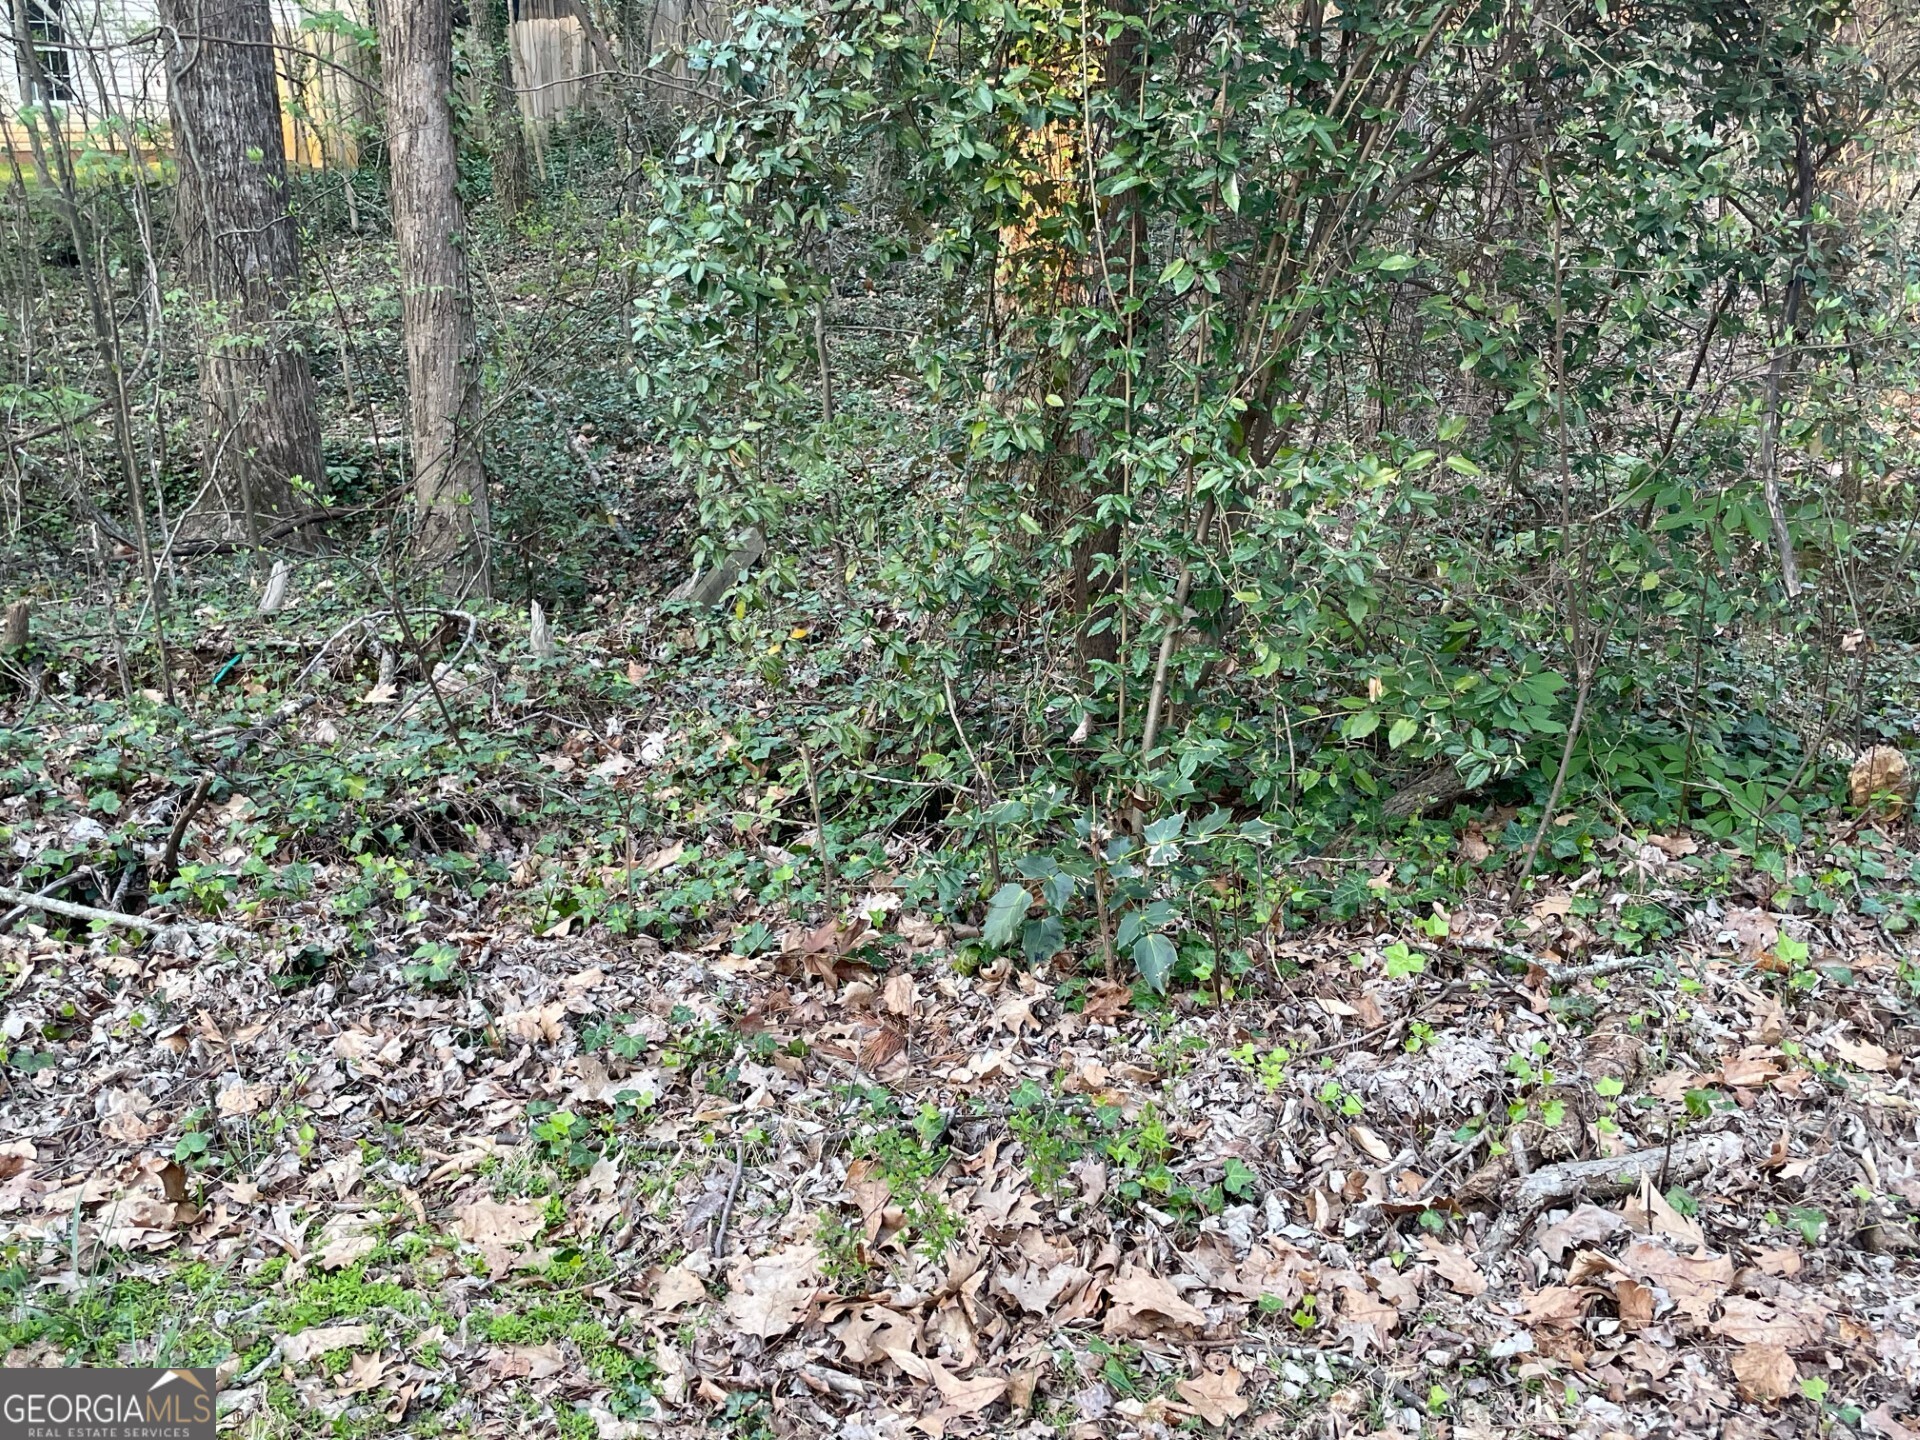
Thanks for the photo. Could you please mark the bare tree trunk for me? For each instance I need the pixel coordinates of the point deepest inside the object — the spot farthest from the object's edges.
(443, 376)
(506, 129)
(1782, 361)
(243, 256)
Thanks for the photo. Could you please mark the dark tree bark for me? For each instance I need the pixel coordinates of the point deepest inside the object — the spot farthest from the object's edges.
(506, 131)
(429, 227)
(242, 256)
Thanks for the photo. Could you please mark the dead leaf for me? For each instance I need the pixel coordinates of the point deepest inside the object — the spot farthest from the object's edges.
(1455, 1267)
(1141, 1304)
(1588, 1225)
(322, 1340)
(1783, 1261)
(532, 1362)
(1879, 1421)
(348, 1239)
(868, 1334)
(1752, 1068)
(1861, 1054)
(363, 1372)
(966, 1397)
(1556, 1306)
(679, 1286)
(127, 1116)
(769, 1296)
(1766, 1373)
(1881, 771)
(1757, 1322)
(897, 995)
(239, 1099)
(1636, 1303)
(1650, 1212)
(1035, 1289)
(498, 1222)
(1371, 1143)
(1695, 1284)
(1215, 1395)
(664, 858)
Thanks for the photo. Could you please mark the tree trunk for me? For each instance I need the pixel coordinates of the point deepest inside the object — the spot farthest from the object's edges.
(242, 256)
(443, 377)
(506, 130)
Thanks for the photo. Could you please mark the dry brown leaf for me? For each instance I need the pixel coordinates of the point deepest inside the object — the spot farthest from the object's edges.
(498, 1222)
(1141, 1304)
(868, 1334)
(897, 995)
(1555, 1306)
(1035, 1289)
(239, 1099)
(1587, 1225)
(1881, 770)
(909, 1362)
(1880, 1421)
(1371, 1143)
(1215, 1395)
(1456, 1267)
(1656, 1360)
(533, 1362)
(1758, 1322)
(966, 1397)
(664, 858)
(1368, 1314)
(1651, 1213)
(769, 1296)
(322, 1340)
(127, 1116)
(1020, 1387)
(1636, 1303)
(363, 1372)
(348, 1239)
(1753, 1067)
(1589, 1266)
(679, 1286)
(1783, 1261)
(1861, 1054)
(1695, 1284)
(1766, 1373)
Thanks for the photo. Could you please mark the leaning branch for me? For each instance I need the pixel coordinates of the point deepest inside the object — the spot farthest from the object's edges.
(28, 900)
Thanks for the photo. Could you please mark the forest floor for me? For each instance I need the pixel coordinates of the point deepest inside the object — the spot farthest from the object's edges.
(464, 1159)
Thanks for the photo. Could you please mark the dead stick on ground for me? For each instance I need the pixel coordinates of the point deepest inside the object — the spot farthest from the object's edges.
(190, 807)
(19, 912)
(104, 917)
(986, 781)
(1559, 1184)
(733, 1189)
(819, 828)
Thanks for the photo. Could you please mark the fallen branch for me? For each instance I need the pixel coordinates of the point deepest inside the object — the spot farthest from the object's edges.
(71, 911)
(190, 807)
(19, 912)
(1607, 1176)
(272, 720)
(1688, 1160)
(1556, 974)
(733, 1191)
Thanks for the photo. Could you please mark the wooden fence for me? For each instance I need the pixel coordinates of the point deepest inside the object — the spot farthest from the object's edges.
(554, 68)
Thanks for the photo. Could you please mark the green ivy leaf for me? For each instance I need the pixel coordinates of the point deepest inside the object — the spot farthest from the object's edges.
(1004, 913)
(1153, 957)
